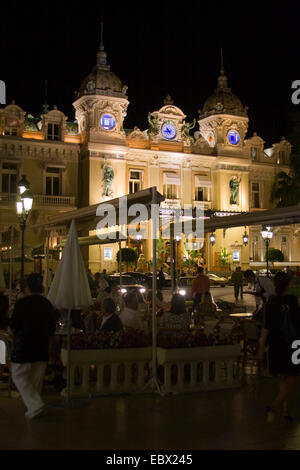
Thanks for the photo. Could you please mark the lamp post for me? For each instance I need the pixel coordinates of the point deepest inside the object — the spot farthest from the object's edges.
(139, 239)
(245, 238)
(23, 205)
(212, 239)
(267, 235)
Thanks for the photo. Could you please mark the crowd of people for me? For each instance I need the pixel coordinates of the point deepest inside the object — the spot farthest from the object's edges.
(34, 320)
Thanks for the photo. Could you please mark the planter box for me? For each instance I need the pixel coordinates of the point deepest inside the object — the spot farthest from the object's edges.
(196, 369)
(108, 371)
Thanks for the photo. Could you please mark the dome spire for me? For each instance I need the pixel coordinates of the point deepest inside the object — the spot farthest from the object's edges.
(222, 80)
(101, 55)
(45, 105)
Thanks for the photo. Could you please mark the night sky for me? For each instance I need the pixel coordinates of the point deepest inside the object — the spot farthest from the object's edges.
(155, 48)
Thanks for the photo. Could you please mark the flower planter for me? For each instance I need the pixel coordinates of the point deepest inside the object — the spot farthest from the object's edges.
(108, 371)
(196, 369)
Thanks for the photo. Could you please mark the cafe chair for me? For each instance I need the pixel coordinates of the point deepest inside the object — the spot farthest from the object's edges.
(251, 333)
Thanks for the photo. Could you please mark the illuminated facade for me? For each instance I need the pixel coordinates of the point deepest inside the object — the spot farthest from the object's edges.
(95, 158)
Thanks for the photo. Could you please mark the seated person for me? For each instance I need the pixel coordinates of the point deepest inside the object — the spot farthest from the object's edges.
(130, 316)
(4, 307)
(117, 298)
(111, 321)
(103, 294)
(176, 318)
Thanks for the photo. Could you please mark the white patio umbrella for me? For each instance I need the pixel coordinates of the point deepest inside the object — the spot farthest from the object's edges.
(2, 280)
(70, 288)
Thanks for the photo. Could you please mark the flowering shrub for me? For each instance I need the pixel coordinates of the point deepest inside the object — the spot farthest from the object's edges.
(127, 338)
(130, 338)
(197, 339)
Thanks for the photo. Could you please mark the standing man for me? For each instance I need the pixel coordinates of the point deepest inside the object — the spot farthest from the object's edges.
(237, 280)
(263, 290)
(32, 323)
(161, 278)
(199, 287)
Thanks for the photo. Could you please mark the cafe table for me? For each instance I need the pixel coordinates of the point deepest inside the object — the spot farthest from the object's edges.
(241, 315)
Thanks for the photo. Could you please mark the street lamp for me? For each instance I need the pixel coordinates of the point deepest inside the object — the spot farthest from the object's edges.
(139, 238)
(212, 238)
(23, 206)
(245, 238)
(267, 235)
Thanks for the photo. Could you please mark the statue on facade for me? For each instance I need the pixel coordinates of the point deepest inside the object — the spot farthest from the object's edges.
(153, 129)
(234, 186)
(108, 176)
(185, 131)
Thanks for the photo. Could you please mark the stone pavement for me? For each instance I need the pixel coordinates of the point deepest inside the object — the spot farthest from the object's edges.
(227, 419)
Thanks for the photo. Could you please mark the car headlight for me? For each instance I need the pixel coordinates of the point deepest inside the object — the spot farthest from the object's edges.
(182, 292)
(123, 290)
(142, 290)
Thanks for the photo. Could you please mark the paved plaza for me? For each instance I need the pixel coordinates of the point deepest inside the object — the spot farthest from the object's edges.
(227, 419)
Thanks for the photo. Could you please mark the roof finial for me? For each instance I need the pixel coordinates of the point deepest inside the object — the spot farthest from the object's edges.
(46, 106)
(101, 56)
(222, 64)
(101, 43)
(222, 80)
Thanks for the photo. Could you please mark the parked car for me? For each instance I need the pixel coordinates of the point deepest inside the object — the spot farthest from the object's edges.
(168, 281)
(215, 280)
(129, 284)
(141, 278)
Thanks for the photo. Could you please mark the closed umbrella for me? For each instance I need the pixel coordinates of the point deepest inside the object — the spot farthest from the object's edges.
(70, 288)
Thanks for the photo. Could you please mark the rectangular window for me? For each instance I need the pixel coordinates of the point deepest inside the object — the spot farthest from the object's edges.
(255, 248)
(255, 197)
(53, 185)
(107, 254)
(135, 181)
(9, 178)
(11, 130)
(171, 185)
(53, 131)
(201, 193)
(284, 247)
(170, 191)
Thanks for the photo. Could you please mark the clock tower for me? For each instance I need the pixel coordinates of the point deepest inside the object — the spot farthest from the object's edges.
(101, 104)
(223, 120)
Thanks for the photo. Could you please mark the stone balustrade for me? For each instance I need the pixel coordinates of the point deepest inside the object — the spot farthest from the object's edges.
(114, 371)
(40, 199)
(197, 369)
(108, 371)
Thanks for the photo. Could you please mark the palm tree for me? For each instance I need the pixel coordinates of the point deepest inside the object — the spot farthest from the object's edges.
(286, 187)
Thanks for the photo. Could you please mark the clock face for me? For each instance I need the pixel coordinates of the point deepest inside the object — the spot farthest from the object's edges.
(233, 137)
(107, 122)
(211, 139)
(168, 130)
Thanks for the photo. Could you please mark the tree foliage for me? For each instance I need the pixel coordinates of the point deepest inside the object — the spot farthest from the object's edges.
(274, 255)
(129, 256)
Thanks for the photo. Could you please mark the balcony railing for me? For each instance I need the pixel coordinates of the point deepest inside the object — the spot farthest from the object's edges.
(54, 200)
(41, 199)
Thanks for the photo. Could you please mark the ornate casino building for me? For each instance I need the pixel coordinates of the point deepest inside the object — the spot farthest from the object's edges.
(211, 162)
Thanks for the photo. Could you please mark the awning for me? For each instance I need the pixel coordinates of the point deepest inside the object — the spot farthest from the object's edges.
(200, 182)
(86, 218)
(171, 178)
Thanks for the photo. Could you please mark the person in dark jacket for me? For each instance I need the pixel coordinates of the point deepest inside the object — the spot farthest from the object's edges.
(111, 321)
(32, 323)
(282, 328)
